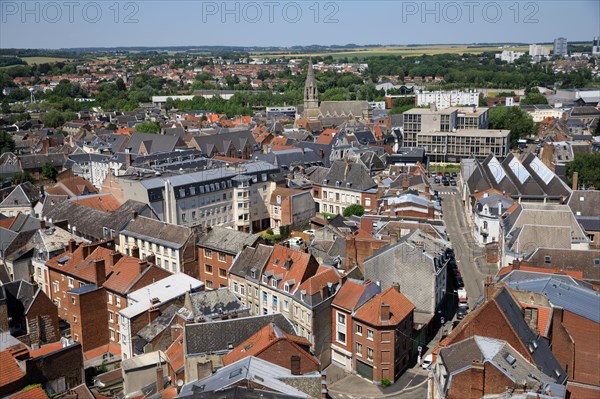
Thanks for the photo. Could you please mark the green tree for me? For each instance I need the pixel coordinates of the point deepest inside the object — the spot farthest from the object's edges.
(22, 178)
(49, 172)
(354, 209)
(587, 167)
(120, 85)
(514, 119)
(534, 99)
(56, 118)
(147, 127)
(7, 143)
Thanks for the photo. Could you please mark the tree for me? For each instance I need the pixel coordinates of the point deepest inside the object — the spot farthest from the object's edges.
(354, 209)
(534, 99)
(22, 178)
(121, 85)
(49, 172)
(147, 127)
(56, 118)
(514, 119)
(587, 167)
(7, 143)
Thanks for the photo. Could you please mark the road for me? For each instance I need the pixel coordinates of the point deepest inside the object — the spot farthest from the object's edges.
(470, 256)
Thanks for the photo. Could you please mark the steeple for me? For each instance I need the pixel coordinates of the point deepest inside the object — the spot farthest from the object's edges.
(311, 93)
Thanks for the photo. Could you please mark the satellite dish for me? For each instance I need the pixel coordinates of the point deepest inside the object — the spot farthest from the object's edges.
(180, 383)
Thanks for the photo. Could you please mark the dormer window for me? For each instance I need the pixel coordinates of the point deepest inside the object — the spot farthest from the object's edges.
(348, 185)
(253, 273)
(286, 287)
(265, 279)
(337, 183)
(274, 283)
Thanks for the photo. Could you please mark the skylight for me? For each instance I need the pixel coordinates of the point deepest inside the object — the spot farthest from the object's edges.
(496, 170)
(519, 170)
(542, 170)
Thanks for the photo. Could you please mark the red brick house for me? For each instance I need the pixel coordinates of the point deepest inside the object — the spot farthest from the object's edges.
(272, 344)
(352, 295)
(89, 285)
(216, 251)
(382, 330)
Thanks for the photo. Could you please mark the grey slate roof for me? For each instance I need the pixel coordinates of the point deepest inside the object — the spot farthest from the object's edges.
(156, 327)
(156, 231)
(259, 372)
(25, 194)
(251, 259)
(352, 175)
(542, 355)
(227, 240)
(222, 142)
(585, 203)
(153, 142)
(215, 303)
(224, 335)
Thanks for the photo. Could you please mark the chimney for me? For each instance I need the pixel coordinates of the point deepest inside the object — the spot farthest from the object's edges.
(477, 379)
(86, 250)
(127, 159)
(153, 313)
(151, 259)
(45, 145)
(575, 180)
(488, 288)
(134, 214)
(160, 381)
(396, 286)
(72, 246)
(142, 265)
(405, 184)
(385, 312)
(100, 269)
(393, 238)
(295, 366)
(42, 224)
(135, 252)
(115, 256)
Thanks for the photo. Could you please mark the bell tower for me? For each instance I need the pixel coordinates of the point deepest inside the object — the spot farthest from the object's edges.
(311, 93)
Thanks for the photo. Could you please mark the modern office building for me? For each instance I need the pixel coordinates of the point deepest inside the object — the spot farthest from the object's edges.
(560, 47)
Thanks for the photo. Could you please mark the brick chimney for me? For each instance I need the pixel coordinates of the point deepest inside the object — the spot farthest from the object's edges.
(575, 185)
(86, 250)
(488, 289)
(72, 246)
(151, 259)
(142, 265)
(100, 271)
(115, 256)
(396, 286)
(296, 365)
(160, 381)
(42, 224)
(176, 331)
(477, 380)
(135, 252)
(385, 312)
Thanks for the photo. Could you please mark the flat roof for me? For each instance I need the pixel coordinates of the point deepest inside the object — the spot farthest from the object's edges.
(470, 133)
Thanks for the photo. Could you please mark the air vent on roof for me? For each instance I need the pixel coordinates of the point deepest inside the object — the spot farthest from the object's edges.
(510, 359)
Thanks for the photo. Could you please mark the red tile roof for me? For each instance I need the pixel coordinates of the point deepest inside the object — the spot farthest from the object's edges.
(400, 307)
(262, 340)
(11, 372)
(112, 347)
(327, 136)
(543, 321)
(349, 295)
(175, 353)
(33, 393)
(46, 349)
(325, 274)
(106, 203)
(79, 267)
(299, 270)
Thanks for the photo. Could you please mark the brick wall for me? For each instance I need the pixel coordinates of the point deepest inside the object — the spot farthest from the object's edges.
(65, 363)
(358, 249)
(88, 317)
(42, 320)
(280, 353)
(214, 278)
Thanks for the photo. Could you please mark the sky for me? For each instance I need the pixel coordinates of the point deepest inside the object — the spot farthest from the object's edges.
(112, 23)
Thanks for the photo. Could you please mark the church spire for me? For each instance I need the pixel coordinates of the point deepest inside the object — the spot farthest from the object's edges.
(311, 93)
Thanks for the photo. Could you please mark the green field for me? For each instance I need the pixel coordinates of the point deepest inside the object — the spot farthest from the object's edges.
(42, 60)
(395, 51)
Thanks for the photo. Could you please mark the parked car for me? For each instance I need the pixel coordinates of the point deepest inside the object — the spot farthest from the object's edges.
(446, 183)
(453, 182)
(310, 232)
(447, 174)
(459, 282)
(436, 180)
(461, 312)
(427, 360)
(454, 174)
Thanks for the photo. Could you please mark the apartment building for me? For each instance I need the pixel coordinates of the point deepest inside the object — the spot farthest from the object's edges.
(172, 247)
(382, 335)
(343, 184)
(446, 99)
(217, 250)
(290, 207)
(451, 134)
(235, 195)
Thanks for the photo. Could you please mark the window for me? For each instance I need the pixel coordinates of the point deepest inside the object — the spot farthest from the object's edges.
(242, 289)
(358, 349)
(275, 301)
(112, 334)
(207, 253)
(274, 283)
(369, 353)
(208, 284)
(74, 319)
(73, 300)
(341, 318)
(110, 298)
(265, 297)
(118, 300)
(222, 257)
(547, 259)
(370, 334)
(70, 280)
(367, 202)
(222, 272)
(208, 269)
(286, 305)
(55, 286)
(358, 330)
(111, 317)
(235, 287)
(341, 337)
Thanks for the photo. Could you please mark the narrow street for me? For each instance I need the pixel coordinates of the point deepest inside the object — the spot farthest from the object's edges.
(470, 256)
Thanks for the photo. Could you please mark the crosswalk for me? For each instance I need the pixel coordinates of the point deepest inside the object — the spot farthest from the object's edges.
(447, 193)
